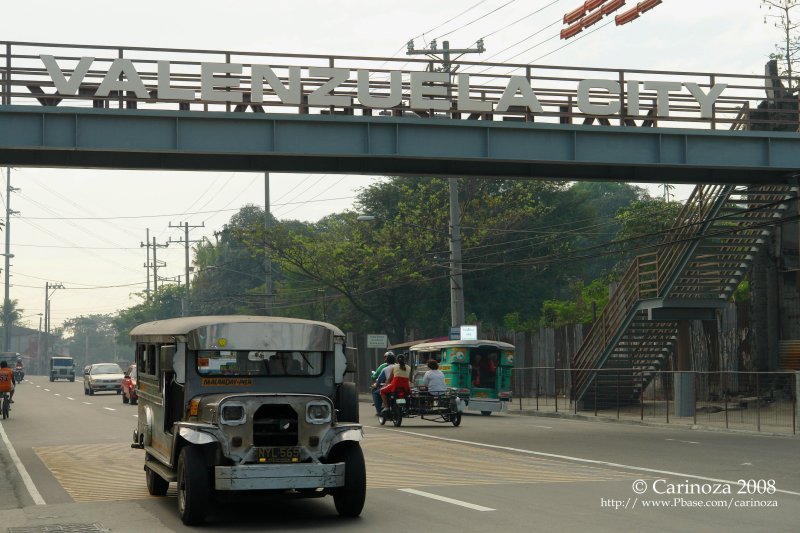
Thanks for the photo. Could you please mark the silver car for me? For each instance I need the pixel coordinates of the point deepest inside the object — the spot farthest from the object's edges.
(101, 377)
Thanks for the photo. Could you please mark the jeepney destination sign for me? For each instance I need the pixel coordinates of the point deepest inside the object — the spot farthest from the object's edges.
(221, 83)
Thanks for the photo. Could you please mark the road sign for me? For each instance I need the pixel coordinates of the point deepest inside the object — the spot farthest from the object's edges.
(469, 333)
(455, 333)
(377, 341)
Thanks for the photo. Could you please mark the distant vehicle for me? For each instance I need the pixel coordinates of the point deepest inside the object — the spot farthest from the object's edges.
(62, 368)
(247, 403)
(102, 377)
(129, 386)
(479, 370)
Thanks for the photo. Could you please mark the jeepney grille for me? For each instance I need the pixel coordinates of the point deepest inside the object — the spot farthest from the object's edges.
(275, 425)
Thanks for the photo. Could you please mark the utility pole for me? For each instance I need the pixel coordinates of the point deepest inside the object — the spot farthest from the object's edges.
(186, 242)
(267, 258)
(156, 265)
(47, 287)
(147, 264)
(8, 256)
(456, 277)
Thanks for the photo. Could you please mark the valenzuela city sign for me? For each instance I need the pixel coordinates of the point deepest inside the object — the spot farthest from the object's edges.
(428, 91)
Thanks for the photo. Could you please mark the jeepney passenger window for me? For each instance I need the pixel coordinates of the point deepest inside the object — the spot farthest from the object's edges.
(150, 363)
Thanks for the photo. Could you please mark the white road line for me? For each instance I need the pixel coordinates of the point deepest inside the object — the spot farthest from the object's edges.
(447, 500)
(575, 459)
(87, 403)
(23, 473)
(68, 398)
(57, 394)
(48, 390)
(109, 408)
(135, 416)
(683, 441)
(544, 427)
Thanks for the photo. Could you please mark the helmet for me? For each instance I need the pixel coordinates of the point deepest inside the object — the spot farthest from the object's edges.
(387, 354)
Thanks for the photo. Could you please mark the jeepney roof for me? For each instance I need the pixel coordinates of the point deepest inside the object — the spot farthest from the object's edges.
(186, 325)
(435, 346)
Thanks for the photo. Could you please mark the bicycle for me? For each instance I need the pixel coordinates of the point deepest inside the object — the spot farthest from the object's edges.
(6, 405)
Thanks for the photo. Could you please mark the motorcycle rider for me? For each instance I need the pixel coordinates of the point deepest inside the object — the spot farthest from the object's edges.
(382, 374)
(7, 381)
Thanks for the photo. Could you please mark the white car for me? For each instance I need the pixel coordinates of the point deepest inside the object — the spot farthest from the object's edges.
(102, 377)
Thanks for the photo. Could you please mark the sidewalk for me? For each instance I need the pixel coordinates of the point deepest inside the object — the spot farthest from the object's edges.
(773, 420)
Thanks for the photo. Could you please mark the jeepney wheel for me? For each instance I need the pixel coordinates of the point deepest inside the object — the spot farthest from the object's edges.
(349, 499)
(486, 413)
(397, 415)
(193, 486)
(156, 485)
(456, 419)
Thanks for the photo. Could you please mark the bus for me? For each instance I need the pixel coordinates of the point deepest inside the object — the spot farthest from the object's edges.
(479, 369)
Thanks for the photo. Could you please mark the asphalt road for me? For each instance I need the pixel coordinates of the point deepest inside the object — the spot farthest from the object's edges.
(499, 473)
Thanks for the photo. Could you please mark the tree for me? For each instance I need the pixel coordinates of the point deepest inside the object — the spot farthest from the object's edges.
(229, 274)
(92, 339)
(166, 303)
(788, 50)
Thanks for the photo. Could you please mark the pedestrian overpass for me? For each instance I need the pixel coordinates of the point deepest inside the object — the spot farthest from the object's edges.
(736, 136)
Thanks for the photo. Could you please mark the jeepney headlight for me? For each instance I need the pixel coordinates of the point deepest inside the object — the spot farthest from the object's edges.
(318, 413)
(233, 414)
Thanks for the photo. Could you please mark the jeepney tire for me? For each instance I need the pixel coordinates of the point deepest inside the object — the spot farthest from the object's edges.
(349, 499)
(193, 486)
(156, 485)
(348, 403)
(486, 413)
(397, 416)
(456, 419)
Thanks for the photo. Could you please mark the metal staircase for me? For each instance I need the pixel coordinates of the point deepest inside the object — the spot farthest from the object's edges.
(699, 264)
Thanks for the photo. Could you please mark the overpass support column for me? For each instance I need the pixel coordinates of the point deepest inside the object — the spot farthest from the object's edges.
(684, 382)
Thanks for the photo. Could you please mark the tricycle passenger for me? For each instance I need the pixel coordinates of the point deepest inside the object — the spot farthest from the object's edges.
(398, 378)
(433, 380)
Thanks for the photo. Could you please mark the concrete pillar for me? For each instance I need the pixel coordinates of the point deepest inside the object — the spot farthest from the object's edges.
(683, 386)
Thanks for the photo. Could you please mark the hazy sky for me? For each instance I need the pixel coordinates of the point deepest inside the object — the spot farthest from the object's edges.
(100, 261)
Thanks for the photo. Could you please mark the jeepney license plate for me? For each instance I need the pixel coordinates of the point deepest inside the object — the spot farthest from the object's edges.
(279, 454)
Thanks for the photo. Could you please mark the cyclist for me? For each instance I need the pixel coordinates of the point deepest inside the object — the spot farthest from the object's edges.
(7, 381)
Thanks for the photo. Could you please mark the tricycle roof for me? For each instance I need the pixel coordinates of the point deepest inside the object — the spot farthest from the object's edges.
(436, 346)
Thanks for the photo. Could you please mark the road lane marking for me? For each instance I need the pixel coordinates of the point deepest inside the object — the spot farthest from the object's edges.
(23, 473)
(544, 427)
(447, 500)
(571, 458)
(109, 408)
(48, 390)
(683, 441)
(68, 398)
(87, 403)
(57, 394)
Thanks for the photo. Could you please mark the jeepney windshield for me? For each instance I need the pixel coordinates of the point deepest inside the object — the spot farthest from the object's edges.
(258, 363)
(62, 362)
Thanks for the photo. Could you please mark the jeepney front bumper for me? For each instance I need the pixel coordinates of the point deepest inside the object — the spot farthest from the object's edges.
(279, 476)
